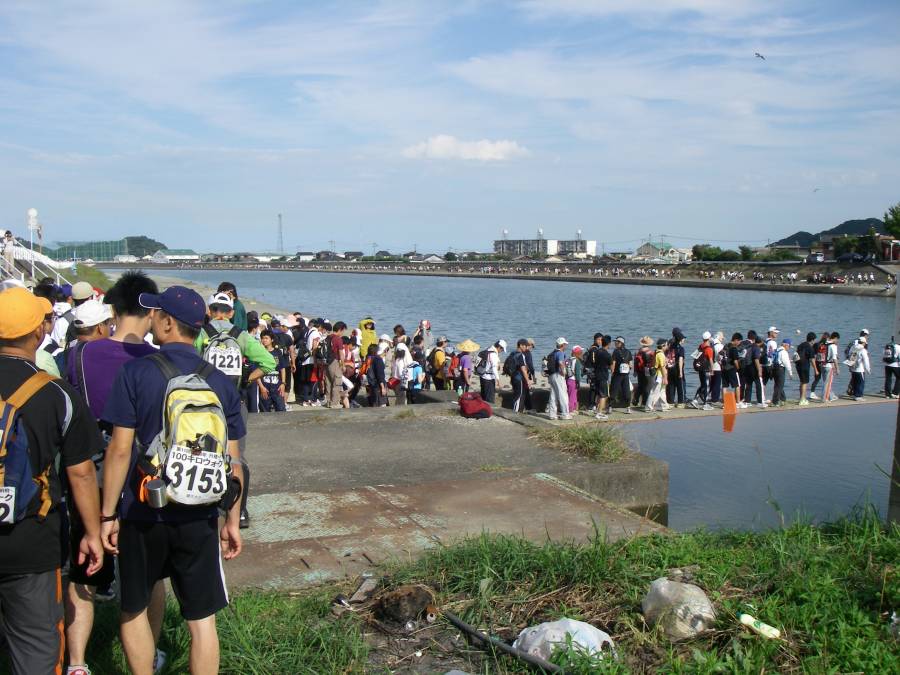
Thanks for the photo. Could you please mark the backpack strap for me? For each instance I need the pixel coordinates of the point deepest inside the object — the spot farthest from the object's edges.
(79, 369)
(210, 331)
(235, 332)
(29, 388)
(165, 365)
(204, 369)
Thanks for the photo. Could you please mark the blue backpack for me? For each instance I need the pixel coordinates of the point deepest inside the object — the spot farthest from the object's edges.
(18, 485)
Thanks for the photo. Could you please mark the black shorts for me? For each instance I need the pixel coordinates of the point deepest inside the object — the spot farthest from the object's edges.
(78, 573)
(601, 387)
(803, 372)
(730, 378)
(187, 552)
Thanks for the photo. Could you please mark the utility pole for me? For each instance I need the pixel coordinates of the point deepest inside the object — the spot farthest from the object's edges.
(331, 241)
(374, 248)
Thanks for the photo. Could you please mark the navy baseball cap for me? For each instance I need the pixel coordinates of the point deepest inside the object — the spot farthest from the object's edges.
(177, 301)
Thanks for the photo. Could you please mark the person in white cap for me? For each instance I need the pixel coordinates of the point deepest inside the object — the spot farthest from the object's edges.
(703, 362)
(771, 346)
(90, 321)
(558, 406)
(859, 368)
(488, 370)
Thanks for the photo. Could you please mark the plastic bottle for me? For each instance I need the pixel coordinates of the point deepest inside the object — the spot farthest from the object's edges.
(758, 626)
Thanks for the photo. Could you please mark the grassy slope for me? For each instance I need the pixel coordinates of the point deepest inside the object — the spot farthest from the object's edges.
(827, 588)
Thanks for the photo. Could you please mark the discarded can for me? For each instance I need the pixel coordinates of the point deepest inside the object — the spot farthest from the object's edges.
(758, 626)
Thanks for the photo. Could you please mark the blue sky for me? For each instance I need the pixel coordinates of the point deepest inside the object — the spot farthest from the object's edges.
(440, 124)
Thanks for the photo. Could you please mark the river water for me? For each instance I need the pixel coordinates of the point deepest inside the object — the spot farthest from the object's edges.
(819, 463)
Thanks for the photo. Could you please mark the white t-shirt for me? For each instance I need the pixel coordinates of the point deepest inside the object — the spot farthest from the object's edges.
(311, 337)
(492, 367)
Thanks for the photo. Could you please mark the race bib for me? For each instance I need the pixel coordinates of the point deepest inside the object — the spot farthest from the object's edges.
(226, 359)
(624, 368)
(7, 505)
(195, 477)
(272, 379)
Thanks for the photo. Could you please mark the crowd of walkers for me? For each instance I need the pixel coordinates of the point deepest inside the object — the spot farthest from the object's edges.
(122, 421)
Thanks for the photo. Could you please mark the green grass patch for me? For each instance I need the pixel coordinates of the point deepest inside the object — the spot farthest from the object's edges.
(92, 275)
(596, 442)
(829, 589)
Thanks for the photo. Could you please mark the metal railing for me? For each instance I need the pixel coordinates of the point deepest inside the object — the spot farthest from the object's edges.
(35, 265)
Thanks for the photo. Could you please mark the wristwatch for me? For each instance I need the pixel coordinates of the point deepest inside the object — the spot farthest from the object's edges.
(109, 519)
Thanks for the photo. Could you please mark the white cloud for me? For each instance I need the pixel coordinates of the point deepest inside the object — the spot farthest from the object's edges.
(443, 146)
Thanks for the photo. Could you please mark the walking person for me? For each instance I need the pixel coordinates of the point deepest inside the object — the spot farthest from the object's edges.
(821, 351)
(9, 252)
(272, 385)
(490, 370)
(715, 380)
(62, 438)
(703, 360)
(620, 388)
(529, 362)
(660, 378)
(334, 367)
(891, 359)
(731, 369)
(400, 375)
(859, 368)
(376, 384)
(602, 370)
(643, 369)
(573, 377)
(781, 368)
(831, 367)
(675, 388)
(589, 367)
(558, 405)
(806, 364)
(464, 370)
(181, 542)
(435, 360)
(517, 368)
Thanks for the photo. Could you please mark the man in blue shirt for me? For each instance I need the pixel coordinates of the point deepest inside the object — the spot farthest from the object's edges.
(176, 541)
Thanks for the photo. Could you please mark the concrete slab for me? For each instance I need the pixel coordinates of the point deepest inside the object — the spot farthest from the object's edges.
(304, 538)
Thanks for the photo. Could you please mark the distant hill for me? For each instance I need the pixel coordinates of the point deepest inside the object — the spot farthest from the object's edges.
(852, 227)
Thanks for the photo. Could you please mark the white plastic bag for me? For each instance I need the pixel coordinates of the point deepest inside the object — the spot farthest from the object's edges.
(543, 639)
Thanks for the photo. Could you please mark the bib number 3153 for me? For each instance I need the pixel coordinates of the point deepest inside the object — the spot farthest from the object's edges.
(195, 478)
(7, 505)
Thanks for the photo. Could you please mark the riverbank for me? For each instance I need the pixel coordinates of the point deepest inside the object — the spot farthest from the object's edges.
(673, 275)
(830, 590)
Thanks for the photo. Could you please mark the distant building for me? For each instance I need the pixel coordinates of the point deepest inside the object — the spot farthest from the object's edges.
(517, 248)
(353, 255)
(305, 256)
(125, 259)
(174, 255)
(661, 250)
(426, 258)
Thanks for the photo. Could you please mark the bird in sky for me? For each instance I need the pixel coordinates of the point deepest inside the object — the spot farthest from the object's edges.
(759, 56)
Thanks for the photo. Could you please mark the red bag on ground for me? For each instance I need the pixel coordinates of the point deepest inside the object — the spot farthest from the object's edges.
(472, 406)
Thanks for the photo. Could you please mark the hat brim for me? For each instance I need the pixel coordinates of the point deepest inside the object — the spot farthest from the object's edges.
(149, 301)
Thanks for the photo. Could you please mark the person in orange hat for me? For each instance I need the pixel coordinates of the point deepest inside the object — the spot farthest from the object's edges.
(61, 432)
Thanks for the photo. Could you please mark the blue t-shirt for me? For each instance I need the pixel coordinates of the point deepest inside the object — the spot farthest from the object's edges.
(273, 380)
(136, 402)
(560, 357)
(415, 372)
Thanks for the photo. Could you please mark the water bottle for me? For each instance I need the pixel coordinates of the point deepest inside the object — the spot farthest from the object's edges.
(758, 626)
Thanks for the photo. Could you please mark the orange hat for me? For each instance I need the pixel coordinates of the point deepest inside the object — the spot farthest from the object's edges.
(21, 312)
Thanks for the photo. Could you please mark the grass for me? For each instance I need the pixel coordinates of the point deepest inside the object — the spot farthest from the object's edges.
(598, 443)
(92, 275)
(830, 589)
(405, 415)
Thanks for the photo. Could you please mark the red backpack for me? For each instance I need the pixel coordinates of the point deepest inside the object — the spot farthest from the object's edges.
(472, 406)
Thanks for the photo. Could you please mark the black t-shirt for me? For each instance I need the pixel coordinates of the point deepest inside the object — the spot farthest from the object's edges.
(622, 355)
(604, 364)
(807, 353)
(731, 355)
(283, 340)
(61, 433)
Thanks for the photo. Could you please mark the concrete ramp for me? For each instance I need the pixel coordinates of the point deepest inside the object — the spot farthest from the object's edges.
(302, 538)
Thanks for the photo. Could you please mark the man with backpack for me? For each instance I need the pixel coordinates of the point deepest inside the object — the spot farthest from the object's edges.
(516, 368)
(806, 363)
(703, 360)
(660, 377)
(602, 367)
(620, 389)
(488, 370)
(163, 486)
(48, 430)
(676, 394)
(751, 368)
(821, 352)
(558, 405)
(643, 369)
(731, 369)
(435, 361)
(891, 358)
(780, 368)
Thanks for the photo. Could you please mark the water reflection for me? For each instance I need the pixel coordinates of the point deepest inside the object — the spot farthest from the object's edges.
(817, 464)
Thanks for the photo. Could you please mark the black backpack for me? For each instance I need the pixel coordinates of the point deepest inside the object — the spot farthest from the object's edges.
(745, 353)
(302, 348)
(552, 363)
(890, 354)
(509, 365)
(481, 366)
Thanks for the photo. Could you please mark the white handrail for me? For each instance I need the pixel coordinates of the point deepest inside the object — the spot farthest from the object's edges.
(40, 264)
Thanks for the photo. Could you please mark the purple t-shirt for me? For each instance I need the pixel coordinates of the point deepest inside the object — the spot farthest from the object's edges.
(465, 363)
(102, 360)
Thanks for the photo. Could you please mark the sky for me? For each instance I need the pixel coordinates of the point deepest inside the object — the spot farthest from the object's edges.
(437, 125)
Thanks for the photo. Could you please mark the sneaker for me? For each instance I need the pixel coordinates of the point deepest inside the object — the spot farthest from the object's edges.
(803, 402)
(601, 417)
(858, 398)
(762, 405)
(159, 661)
(707, 406)
(813, 396)
(627, 411)
(565, 417)
(648, 409)
(834, 398)
(78, 670)
(694, 405)
(244, 522)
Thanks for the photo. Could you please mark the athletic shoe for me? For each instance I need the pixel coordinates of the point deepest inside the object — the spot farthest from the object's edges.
(565, 417)
(627, 411)
(694, 405)
(159, 661)
(803, 402)
(813, 396)
(834, 398)
(762, 405)
(707, 406)
(648, 409)
(78, 670)
(858, 398)
(244, 522)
